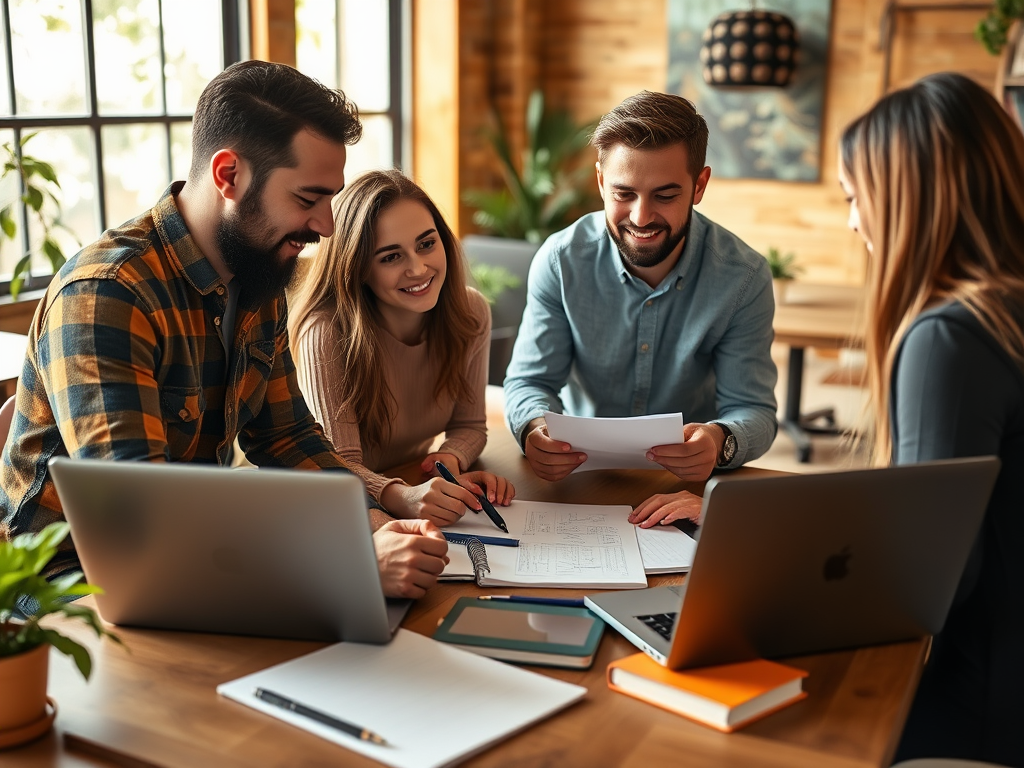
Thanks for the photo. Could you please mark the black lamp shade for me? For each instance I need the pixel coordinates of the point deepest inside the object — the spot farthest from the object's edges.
(752, 48)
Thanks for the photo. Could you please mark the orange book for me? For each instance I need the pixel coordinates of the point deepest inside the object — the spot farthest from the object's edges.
(726, 697)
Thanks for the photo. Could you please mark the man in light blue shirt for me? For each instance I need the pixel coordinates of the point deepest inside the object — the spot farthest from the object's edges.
(649, 308)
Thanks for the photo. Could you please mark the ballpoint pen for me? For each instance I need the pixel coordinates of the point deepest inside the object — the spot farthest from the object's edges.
(315, 714)
(462, 538)
(571, 601)
(488, 507)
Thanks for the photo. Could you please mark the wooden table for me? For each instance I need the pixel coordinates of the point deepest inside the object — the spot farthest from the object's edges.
(12, 360)
(823, 316)
(158, 701)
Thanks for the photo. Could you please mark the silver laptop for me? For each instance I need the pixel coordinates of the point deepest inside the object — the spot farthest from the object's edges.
(807, 563)
(272, 553)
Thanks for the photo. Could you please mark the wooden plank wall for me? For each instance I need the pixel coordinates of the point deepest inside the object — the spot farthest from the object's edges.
(588, 55)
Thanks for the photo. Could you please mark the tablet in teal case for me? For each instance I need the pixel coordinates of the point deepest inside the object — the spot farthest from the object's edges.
(528, 633)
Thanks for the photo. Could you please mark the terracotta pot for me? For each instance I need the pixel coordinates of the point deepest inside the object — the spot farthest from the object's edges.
(23, 682)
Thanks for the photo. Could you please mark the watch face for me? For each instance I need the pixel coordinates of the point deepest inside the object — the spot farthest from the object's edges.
(728, 449)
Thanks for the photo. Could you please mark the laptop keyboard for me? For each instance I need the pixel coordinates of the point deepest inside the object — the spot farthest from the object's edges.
(661, 623)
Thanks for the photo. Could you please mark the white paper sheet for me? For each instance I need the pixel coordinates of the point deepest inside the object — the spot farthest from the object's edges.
(616, 443)
(434, 704)
(665, 549)
(561, 545)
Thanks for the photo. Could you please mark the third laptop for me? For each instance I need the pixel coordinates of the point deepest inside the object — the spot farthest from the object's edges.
(794, 564)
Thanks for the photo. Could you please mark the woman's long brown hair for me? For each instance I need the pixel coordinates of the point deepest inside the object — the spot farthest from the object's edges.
(938, 171)
(336, 281)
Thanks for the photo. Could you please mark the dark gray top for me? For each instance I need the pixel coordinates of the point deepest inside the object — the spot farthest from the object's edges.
(956, 392)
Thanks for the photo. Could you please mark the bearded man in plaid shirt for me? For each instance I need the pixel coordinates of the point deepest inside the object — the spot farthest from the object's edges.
(167, 338)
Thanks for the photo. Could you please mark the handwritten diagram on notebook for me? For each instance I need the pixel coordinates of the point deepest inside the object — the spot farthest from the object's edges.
(560, 545)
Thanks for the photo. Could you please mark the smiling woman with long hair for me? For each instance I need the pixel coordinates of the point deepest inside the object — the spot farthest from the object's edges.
(934, 174)
(392, 348)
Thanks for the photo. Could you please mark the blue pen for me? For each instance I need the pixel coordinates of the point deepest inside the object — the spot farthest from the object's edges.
(570, 601)
(488, 508)
(463, 538)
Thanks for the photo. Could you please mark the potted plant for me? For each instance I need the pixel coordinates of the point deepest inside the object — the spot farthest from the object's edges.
(38, 192)
(545, 190)
(993, 31)
(548, 188)
(784, 271)
(25, 711)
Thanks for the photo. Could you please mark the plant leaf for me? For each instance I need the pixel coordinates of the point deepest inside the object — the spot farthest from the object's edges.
(33, 198)
(7, 224)
(545, 188)
(53, 253)
(45, 170)
(18, 276)
(69, 647)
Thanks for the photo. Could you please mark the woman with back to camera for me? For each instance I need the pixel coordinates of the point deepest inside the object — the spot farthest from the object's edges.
(934, 175)
(392, 349)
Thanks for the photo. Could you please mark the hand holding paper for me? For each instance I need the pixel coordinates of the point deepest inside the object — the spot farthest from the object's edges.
(616, 443)
(550, 459)
(695, 457)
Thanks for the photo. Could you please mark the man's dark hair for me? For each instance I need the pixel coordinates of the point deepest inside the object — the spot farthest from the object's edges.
(255, 108)
(654, 121)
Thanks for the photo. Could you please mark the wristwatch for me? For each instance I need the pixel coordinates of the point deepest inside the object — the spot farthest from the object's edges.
(728, 445)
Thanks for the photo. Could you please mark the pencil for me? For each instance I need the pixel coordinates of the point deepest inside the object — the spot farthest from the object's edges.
(321, 717)
(570, 601)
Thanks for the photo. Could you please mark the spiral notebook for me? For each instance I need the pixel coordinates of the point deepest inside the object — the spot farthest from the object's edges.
(560, 545)
(466, 562)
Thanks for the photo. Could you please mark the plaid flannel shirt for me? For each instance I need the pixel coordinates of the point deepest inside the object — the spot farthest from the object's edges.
(125, 362)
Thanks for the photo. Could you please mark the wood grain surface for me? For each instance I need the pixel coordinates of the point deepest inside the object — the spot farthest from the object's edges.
(154, 702)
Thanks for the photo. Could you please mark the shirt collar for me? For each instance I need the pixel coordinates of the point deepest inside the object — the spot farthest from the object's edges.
(694, 245)
(179, 244)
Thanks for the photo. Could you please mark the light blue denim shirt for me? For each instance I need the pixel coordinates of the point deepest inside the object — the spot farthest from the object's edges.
(596, 341)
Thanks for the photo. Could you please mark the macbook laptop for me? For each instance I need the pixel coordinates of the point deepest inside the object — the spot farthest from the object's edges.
(788, 565)
(273, 553)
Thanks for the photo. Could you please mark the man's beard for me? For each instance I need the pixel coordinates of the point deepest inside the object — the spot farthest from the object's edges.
(261, 273)
(644, 257)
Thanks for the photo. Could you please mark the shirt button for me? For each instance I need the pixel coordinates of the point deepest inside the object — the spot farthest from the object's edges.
(183, 414)
(644, 347)
(679, 286)
(216, 321)
(648, 303)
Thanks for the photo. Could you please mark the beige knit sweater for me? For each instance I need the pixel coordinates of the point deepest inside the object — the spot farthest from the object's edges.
(411, 375)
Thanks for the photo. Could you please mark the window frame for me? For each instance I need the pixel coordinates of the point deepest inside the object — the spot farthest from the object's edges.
(399, 78)
(234, 18)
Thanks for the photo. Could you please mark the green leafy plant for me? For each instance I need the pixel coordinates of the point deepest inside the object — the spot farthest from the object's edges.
(22, 560)
(40, 188)
(547, 188)
(783, 266)
(492, 280)
(992, 31)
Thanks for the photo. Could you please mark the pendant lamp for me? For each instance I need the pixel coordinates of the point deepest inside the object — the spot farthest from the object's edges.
(750, 48)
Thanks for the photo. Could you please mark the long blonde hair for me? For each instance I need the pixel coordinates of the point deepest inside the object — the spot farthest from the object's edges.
(938, 171)
(336, 281)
